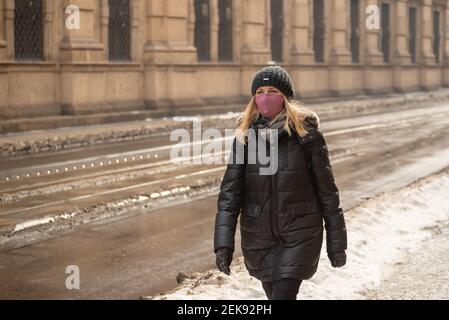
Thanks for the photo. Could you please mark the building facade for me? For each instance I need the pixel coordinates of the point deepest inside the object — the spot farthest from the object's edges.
(182, 54)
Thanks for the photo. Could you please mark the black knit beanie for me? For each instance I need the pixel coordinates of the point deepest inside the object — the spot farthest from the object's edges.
(275, 76)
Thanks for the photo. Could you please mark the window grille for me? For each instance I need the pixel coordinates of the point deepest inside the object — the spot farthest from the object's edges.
(28, 30)
(277, 29)
(385, 20)
(412, 32)
(355, 37)
(119, 30)
(318, 27)
(202, 29)
(436, 35)
(225, 31)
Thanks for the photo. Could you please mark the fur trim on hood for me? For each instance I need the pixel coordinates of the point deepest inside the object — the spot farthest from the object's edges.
(312, 120)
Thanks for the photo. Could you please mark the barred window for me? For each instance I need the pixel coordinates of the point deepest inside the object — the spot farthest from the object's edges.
(202, 29)
(355, 29)
(277, 29)
(225, 30)
(28, 30)
(119, 30)
(318, 27)
(412, 32)
(436, 35)
(385, 21)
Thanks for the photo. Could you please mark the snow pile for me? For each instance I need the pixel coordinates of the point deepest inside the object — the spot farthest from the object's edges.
(382, 232)
(225, 116)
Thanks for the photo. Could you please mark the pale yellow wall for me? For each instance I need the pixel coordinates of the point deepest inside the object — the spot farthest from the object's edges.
(76, 76)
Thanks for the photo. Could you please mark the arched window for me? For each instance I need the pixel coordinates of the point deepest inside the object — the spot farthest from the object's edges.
(277, 29)
(119, 30)
(225, 30)
(318, 30)
(202, 29)
(28, 30)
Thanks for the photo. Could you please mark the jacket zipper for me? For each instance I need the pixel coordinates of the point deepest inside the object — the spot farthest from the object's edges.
(273, 208)
(275, 218)
(277, 232)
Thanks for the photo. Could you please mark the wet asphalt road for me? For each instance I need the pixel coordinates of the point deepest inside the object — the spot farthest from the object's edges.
(142, 255)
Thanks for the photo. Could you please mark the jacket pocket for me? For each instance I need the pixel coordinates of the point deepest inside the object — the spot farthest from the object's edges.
(253, 220)
(252, 210)
(302, 208)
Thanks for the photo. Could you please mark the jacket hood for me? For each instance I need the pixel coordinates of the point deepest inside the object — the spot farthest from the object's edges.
(312, 120)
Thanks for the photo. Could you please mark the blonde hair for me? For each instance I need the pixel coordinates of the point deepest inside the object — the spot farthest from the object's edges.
(295, 115)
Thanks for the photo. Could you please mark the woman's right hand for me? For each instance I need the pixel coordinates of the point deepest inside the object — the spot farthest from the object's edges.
(224, 259)
(338, 259)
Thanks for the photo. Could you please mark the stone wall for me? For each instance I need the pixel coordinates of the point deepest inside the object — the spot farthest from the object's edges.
(76, 76)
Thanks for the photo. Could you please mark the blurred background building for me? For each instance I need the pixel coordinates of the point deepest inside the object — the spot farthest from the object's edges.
(178, 56)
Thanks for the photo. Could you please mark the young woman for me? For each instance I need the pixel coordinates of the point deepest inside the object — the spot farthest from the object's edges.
(282, 214)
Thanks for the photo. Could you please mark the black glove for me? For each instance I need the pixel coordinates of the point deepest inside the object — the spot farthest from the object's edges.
(224, 259)
(338, 259)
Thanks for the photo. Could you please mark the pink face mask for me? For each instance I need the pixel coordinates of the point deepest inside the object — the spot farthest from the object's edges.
(269, 105)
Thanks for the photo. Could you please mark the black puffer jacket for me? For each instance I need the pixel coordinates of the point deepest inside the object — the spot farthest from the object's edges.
(281, 221)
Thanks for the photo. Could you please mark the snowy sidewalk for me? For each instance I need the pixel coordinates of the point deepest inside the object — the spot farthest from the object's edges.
(395, 252)
(424, 275)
